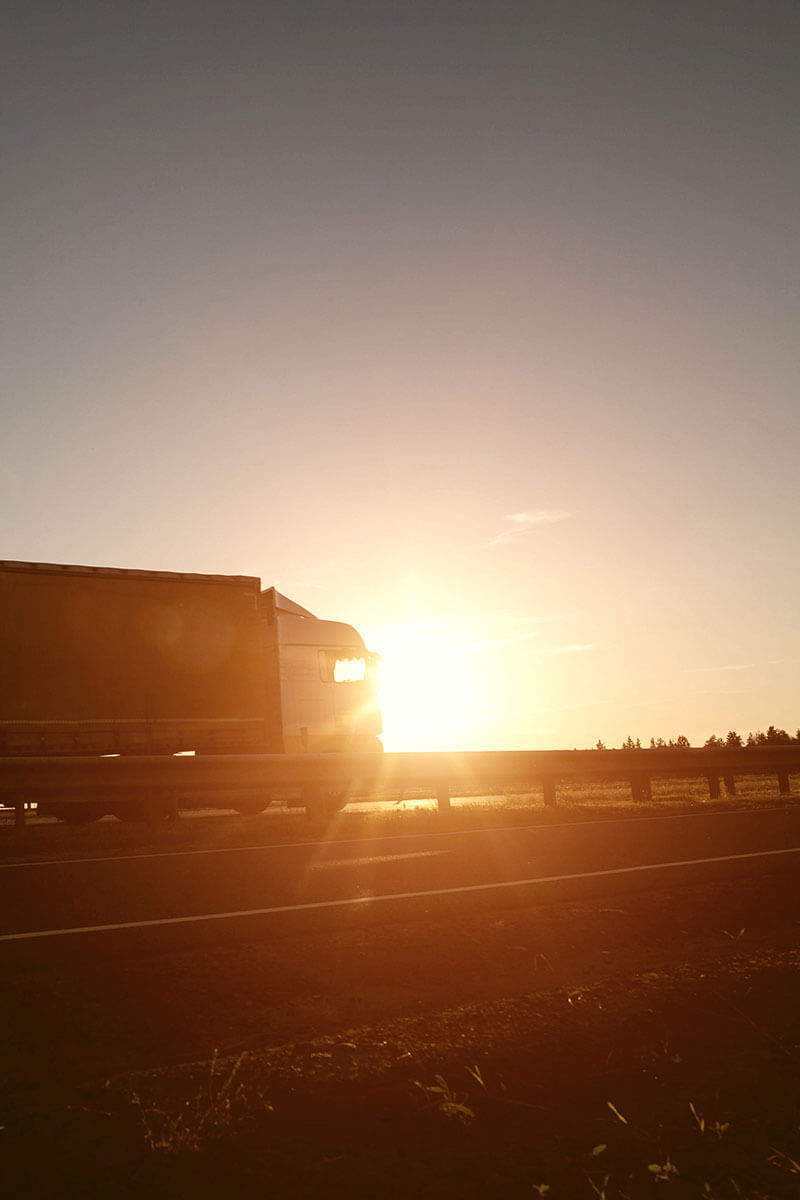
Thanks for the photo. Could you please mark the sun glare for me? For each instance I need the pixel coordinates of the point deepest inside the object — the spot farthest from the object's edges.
(429, 694)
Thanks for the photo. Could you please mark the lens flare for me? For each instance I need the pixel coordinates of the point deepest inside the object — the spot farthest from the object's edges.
(429, 690)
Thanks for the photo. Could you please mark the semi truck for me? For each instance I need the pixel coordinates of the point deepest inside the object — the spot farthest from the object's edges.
(110, 661)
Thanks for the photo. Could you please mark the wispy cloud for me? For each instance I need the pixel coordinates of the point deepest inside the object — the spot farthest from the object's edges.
(727, 667)
(571, 648)
(752, 666)
(480, 647)
(724, 691)
(522, 522)
(495, 643)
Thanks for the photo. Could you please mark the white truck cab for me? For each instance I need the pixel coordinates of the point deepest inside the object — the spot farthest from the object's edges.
(328, 680)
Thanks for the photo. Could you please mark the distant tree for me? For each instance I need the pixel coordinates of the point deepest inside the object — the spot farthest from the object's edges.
(600, 745)
(797, 736)
(682, 742)
(733, 741)
(660, 744)
(777, 737)
(713, 743)
(757, 739)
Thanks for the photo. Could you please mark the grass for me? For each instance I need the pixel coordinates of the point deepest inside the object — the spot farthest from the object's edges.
(631, 1160)
(219, 1106)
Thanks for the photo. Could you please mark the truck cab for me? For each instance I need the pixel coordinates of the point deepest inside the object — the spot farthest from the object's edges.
(326, 678)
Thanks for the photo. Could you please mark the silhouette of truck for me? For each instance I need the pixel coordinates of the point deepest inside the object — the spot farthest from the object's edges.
(107, 661)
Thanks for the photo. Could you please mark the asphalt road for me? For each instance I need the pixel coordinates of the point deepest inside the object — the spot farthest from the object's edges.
(214, 890)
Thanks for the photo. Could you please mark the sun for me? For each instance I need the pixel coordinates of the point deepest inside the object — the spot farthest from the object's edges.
(428, 695)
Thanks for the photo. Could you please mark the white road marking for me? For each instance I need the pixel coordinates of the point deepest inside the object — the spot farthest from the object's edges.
(394, 837)
(452, 891)
(324, 863)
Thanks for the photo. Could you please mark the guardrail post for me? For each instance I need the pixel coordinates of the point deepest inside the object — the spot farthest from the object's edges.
(636, 789)
(19, 813)
(784, 786)
(549, 791)
(730, 784)
(713, 787)
(443, 796)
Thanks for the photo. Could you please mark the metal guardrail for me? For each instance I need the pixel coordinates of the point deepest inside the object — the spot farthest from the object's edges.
(81, 780)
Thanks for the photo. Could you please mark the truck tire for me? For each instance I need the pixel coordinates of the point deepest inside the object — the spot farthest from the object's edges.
(313, 800)
(252, 806)
(152, 810)
(320, 805)
(77, 814)
(335, 802)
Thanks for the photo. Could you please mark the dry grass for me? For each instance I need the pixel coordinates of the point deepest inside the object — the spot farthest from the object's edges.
(212, 1110)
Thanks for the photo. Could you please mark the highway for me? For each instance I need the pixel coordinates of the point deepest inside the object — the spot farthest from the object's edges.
(231, 891)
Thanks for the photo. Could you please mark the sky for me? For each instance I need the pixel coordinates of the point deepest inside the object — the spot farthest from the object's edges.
(472, 324)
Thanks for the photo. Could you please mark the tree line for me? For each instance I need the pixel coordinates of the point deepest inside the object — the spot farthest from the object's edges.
(732, 741)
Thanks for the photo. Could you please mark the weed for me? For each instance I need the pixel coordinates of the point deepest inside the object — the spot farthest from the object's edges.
(622, 1120)
(475, 1072)
(219, 1103)
(715, 1127)
(777, 1158)
(663, 1171)
(448, 1102)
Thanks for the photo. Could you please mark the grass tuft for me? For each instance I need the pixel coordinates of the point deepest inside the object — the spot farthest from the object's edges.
(219, 1104)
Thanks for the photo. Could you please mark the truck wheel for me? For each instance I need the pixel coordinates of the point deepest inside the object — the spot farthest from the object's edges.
(313, 799)
(252, 807)
(77, 814)
(320, 805)
(152, 810)
(335, 802)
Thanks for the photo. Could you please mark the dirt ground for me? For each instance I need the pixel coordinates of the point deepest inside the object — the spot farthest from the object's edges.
(647, 1044)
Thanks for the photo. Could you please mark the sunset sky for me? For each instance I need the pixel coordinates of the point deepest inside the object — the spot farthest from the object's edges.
(473, 324)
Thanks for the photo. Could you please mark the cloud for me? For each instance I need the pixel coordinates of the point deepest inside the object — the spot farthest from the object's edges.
(496, 643)
(523, 522)
(751, 666)
(731, 667)
(572, 648)
(541, 516)
(723, 692)
(479, 647)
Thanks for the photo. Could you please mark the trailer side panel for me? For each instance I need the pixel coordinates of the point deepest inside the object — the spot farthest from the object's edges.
(100, 660)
